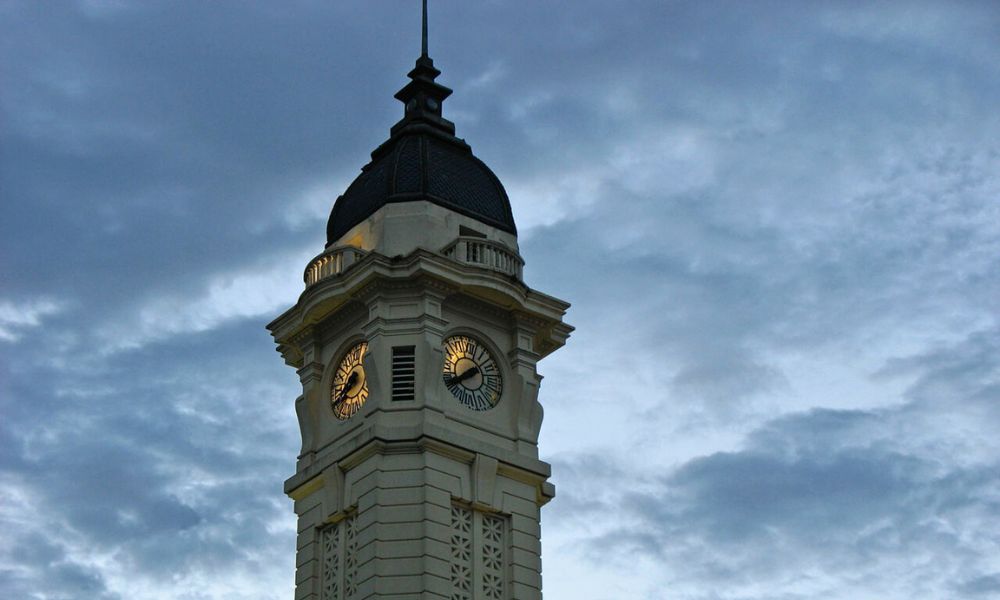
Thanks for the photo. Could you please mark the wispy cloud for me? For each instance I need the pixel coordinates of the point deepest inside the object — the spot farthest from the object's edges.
(259, 290)
(17, 318)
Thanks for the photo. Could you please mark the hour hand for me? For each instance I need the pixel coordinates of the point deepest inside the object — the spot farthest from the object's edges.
(351, 380)
(465, 375)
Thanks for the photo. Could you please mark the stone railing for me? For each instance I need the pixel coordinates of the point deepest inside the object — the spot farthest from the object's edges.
(485, 253)
(332, 262)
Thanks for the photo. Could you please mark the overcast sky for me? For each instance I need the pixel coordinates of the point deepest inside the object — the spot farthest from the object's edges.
(778, 224)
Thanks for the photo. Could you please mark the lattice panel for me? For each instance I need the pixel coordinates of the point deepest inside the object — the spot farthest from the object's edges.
(493, 549)
(479, 561)
(331, 563)
(461, 553)
(350, 558)
(339, 561)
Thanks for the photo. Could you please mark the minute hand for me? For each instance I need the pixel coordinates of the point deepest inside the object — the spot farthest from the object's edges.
(460, 378)
(353, 379)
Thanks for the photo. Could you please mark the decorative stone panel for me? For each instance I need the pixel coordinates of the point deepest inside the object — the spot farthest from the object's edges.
(493, 554)
(479, 555)
(461, 553)
(331, 562)
(350, 559)
(339, 560)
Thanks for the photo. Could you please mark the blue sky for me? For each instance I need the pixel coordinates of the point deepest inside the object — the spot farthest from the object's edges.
(778, 224)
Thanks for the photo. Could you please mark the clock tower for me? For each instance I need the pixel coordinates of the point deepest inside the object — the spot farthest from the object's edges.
(416, 342)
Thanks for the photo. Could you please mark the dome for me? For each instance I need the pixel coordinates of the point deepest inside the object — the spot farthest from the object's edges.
(422, 164)
(423, 160)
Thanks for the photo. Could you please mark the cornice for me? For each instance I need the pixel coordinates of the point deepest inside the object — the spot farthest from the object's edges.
(419, 269)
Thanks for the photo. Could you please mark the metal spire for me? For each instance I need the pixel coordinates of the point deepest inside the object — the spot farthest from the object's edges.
(423, 39)
(423, 96)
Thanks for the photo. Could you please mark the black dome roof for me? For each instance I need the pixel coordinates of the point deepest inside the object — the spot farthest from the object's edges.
(423, 160)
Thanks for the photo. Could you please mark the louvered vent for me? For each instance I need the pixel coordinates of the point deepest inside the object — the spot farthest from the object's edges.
(403, 371)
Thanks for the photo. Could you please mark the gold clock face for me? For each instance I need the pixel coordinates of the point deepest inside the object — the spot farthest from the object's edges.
(470, 373)
(350, 387)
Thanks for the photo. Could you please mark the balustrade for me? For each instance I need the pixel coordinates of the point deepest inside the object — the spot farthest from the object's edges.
(485, 253)
(332, 262)
(468, 250)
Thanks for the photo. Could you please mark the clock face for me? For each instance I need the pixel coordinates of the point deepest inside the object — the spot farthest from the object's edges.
(470, 373)
(350, 387)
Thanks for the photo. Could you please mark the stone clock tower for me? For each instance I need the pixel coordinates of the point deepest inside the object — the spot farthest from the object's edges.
(416, 342)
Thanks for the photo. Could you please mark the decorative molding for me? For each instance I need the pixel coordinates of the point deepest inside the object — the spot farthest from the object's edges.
(471, 306)
(306, 488)
(419, 284)
(290, 354)
(484, 470)
(422, 269)
(310, 373)
(302, 337)
(367, 442)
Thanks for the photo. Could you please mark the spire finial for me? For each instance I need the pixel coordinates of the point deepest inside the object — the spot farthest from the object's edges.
(423, 38)
(423, 96)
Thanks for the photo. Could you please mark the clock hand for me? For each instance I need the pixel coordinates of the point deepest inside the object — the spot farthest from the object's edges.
(351, 380)
(460, 378)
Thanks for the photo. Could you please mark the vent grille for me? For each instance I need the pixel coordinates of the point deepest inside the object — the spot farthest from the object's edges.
(403, 373)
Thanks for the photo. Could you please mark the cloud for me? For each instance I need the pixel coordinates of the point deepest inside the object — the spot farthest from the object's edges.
(16, 318)
(28, 553)
(826, 502)
(155, 480)
(260, 290)
(778, 230)
(847, 519)
(986, 585)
